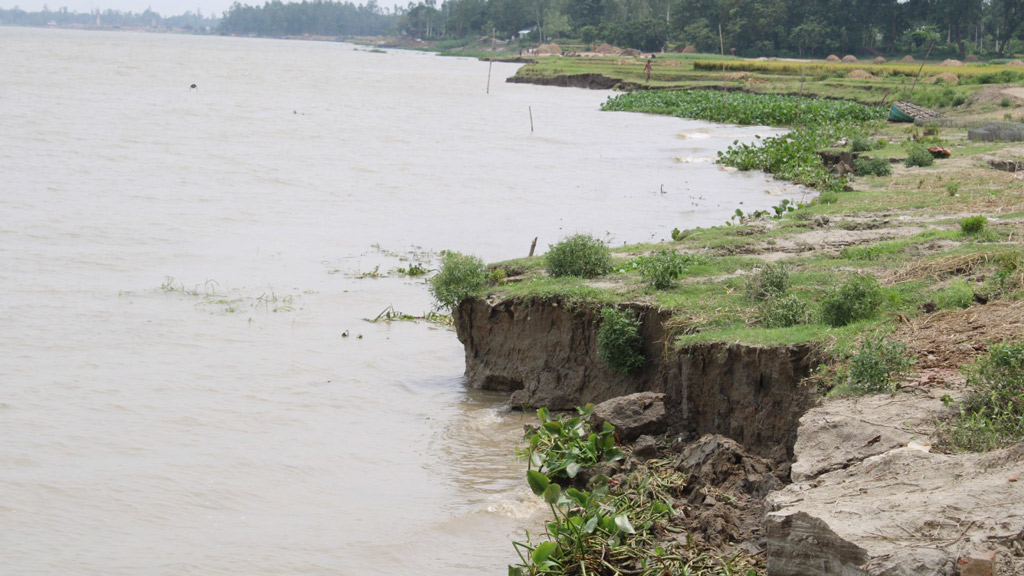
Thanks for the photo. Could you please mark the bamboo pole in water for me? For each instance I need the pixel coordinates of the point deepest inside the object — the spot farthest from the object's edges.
(491, 65)
(721, 43)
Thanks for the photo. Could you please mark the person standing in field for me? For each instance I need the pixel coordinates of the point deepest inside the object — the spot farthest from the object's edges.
(647, 70)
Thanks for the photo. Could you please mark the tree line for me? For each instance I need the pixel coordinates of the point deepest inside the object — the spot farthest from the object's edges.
(744, 27)
(190, 21)
(809, 28)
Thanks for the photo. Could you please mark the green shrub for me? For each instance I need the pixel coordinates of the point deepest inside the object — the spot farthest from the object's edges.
(1008, 277)
(460, 275)
(878, 365)
(828, 198)
(579, 255)
(861, 143)
(661, 270)
(973, 224)
(993, 414)
(952, 188)
(959, 294)
(619, 343)
(881, 143)
(919, 156)
(857, 299)
(770, 281)
(872, 167)
(782, 312)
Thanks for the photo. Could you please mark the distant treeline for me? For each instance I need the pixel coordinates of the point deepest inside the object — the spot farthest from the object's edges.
(316, 18)
(748, 27)
(194, 21)
(744, 27)
(812, 28)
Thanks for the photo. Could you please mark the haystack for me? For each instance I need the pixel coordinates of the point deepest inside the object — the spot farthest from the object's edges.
(946, 77)
(551, 49)
(608, 50)
(690, 49)
(849, 59)
(908, 58)
(879, 60)
(972, 58)
(860, 74)
(1015, 63)
(951, 62)
(832, 58)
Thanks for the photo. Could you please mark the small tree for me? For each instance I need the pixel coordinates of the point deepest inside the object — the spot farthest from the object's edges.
(579, 255)
(460, 275)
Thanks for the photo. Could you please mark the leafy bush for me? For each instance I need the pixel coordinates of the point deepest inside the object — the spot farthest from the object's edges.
(579, 255)
(857, 299)
(782, 312)
(661, 270)
(959, 294)
(919, 156)
(619, 342)
(770, 281)
(828, 198)
(877, 365)
(993, 414)
(861, 143)
(973, 224)
(1008, 277)
(460, 275)
(872, 167)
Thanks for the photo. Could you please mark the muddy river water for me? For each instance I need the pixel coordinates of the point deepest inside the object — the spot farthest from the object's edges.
(188, 384)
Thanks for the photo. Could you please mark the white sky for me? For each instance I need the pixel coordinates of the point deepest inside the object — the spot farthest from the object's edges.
(164, 7)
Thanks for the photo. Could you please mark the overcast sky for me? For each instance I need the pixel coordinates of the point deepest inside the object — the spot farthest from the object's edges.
(164, 7)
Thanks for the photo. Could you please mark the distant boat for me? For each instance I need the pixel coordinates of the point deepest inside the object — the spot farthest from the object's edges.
(907, 112)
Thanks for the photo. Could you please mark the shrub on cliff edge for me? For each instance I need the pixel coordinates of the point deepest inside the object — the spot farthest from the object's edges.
(619, 342)
(460, 275)
(579, 255)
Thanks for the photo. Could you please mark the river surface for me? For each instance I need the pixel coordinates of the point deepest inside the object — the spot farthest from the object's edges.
(187, 381)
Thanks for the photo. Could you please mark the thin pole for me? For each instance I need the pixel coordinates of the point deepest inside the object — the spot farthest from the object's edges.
(916, 78)
(531, 119)
(721, 43)
(800, 105)
(489, 66)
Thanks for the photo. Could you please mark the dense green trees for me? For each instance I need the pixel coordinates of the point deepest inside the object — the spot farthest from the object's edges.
(815, 28)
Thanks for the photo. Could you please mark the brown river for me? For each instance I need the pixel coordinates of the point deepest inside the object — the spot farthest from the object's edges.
(188, 382)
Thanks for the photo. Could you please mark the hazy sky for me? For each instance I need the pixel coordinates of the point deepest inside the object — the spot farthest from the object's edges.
(164, 7)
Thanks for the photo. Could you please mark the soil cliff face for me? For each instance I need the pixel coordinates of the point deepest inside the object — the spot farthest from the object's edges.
(545, 353)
